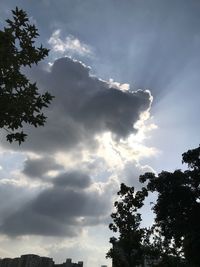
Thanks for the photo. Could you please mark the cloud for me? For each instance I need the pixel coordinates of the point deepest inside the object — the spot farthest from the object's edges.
(84, 107)
(74, 143)
(70, 45)
(36, 168)
(12, 198)
(131, 172)
(62, 210)
(73, 179)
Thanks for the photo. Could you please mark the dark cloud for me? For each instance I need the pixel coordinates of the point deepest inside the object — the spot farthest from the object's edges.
(73, 179)
(61, 211)
(115, 111)
(84, 106)
(65, 203)
(27, 222)
(38, 167)
(13, 197)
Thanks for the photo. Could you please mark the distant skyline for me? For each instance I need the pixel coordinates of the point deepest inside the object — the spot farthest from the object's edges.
(40, 261)
(125, 75)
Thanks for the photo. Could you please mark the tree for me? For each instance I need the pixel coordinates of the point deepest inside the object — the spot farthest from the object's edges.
(127, 249)
(135, 245)
(20, 101)
(174, 238)
(177, 209)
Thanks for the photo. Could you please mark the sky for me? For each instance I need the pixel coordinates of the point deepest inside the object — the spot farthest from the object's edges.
(125, 76)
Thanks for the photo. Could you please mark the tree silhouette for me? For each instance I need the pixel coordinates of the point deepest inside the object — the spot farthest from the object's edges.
(136, 245)
(177, 209)
(174, 238)
(127, 249)
(20, 101)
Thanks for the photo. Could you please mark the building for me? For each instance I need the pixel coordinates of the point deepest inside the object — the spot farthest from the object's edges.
(6, 262)
(46, 262)
(32, 260)
(69, 263)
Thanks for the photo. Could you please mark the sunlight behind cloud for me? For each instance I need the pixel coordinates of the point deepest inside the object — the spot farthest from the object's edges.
(132, 148)
(121, 86)
(57, 189)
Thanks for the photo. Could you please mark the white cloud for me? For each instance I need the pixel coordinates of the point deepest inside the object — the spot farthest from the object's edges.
(117, 85)
(69, 45)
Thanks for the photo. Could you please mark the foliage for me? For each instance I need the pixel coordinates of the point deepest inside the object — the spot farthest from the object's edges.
(127, 250)
(177, 209)
(20, 101)
(135, 245)
(174, 238)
